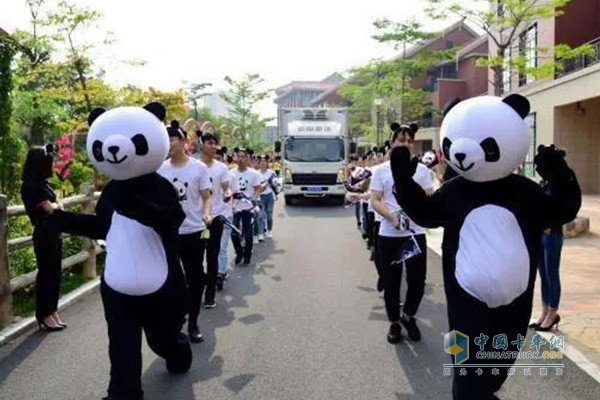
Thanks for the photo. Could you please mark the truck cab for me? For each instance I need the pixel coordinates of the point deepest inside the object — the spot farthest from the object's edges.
(314, 153)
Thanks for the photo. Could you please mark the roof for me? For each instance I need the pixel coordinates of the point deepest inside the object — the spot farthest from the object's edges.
(468, 50)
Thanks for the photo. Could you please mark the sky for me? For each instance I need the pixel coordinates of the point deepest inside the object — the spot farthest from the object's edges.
(203, 41)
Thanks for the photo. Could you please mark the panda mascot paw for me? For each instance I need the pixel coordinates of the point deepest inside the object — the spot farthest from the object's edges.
(550, 163)
(403, 167)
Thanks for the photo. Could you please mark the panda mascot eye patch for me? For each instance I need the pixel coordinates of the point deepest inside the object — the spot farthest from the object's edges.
(486, 138)
(128, 142)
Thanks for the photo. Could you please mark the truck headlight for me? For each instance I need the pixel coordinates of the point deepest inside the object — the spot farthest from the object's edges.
(341, 176)
(288, 176)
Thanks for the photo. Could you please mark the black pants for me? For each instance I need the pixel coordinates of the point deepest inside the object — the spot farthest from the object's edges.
(47, 246)
(376, 255)
(160, 317)
(416, 271)
(243, 221)
(370, 226)
(472, 318)
(192, 257)
(212, 258)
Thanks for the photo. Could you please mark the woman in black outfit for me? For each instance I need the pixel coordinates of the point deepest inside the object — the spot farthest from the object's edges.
(40, 201)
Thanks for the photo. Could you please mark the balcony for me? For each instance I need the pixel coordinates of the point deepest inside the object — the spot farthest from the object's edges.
(581, 62)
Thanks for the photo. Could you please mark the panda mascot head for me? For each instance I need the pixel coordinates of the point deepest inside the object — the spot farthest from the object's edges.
(486, 138)
(128, 142)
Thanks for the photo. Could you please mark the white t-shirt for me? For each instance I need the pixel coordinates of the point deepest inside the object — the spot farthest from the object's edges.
(268, 174)
(188, 180)
(219, 174)
(246, 181)
(383, 181)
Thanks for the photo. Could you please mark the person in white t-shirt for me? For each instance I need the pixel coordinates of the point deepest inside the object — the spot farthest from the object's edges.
(219, 178)
(191, 181)
(228, 215)
(267, 199)
(398, 232)
(246, 200)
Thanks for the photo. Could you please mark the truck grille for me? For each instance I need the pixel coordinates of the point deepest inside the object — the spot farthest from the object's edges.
(314, 179)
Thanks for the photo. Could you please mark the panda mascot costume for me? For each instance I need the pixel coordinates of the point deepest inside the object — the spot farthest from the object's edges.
(493, 222)
(138, 215)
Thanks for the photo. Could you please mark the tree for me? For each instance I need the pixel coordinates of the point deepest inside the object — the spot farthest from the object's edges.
(503, 21)
(242, 97)
(69, 20)
(195, 92)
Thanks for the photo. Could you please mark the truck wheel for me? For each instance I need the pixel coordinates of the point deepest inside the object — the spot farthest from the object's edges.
(288, 201)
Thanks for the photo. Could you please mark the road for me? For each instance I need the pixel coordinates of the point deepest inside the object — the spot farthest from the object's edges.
(303, 323)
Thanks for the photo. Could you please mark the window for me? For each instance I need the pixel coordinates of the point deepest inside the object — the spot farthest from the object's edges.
(450, 71)
(528, 49)
(506, 71)
(449, 44)
(528, 166)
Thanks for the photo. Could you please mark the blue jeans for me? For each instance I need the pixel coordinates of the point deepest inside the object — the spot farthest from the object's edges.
(267, 201)
(551, 247)
(224, 245)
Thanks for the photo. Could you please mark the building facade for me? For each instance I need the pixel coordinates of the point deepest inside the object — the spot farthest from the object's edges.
(565, 108)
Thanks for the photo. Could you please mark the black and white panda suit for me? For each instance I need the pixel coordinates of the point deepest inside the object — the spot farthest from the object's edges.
(138, 214)
(493, 221)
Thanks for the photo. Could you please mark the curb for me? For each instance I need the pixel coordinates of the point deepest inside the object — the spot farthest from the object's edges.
(17, 329)
(434, 242)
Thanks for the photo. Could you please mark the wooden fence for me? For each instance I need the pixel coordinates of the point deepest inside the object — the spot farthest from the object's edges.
(8, 284)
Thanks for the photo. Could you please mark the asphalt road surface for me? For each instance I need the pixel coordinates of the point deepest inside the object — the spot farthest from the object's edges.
(304, 322)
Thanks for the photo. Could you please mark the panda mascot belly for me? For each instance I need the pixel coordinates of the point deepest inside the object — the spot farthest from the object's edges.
(493, 221)
(484, 267)
(138, 215)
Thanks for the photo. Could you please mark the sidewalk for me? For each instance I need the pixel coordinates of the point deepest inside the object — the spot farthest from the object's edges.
(580, 285)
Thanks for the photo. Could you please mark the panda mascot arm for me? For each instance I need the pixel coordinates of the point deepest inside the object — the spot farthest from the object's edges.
(427, 211)
(92, 226)
(564, 202)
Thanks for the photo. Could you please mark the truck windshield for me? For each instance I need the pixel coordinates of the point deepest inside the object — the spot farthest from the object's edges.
(314, 149)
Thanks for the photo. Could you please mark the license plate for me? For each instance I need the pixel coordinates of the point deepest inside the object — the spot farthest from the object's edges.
(314, 188)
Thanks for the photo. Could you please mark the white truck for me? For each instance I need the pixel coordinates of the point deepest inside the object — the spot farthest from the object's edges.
(314, 150)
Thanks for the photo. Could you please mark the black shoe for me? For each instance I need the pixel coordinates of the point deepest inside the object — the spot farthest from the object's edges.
(247, 261)
(238, 259)
(220, 281)
(180, 359)
(372, 256)
(194, 334)
(380, 285)
(395, 333)
(210, 303)
(410, 323)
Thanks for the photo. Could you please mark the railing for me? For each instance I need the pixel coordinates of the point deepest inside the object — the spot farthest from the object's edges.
(9, 285)
(581, 62)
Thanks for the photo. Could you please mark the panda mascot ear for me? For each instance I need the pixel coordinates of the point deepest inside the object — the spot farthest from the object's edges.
(96, 112)
(157, 109)
(394, 126)
(450, 104)
(518, 103)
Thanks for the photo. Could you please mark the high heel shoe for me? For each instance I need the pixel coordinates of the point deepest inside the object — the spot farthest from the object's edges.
(43, 326)
(547, 328)
(58, 320)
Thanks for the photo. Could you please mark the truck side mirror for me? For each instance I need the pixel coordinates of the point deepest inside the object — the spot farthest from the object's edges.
(352, 148)
(277, 147)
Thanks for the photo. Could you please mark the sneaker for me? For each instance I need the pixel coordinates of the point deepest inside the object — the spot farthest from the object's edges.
(261, 238)
(395, 333)
(238, 259)
(255, 241)
(410, 323)
(210, 304)
(220, 281)
(194, 334)
(269, 234)
(380, 285)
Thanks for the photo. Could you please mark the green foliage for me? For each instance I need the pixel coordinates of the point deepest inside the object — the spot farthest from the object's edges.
(503, 21)
(242, 97)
